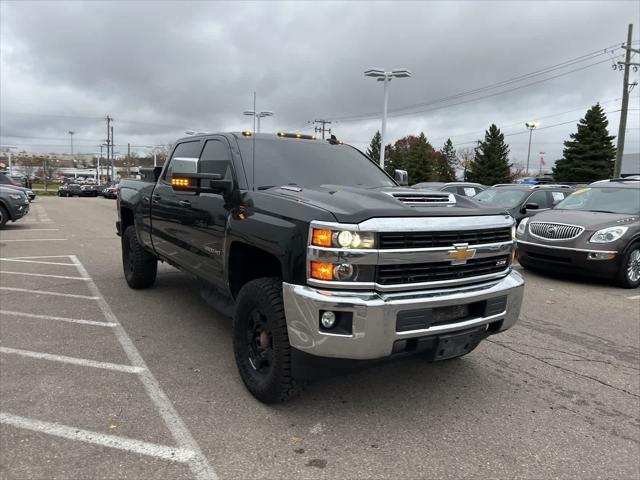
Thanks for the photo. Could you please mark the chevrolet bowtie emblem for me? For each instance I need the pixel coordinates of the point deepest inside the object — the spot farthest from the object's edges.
(461, 254)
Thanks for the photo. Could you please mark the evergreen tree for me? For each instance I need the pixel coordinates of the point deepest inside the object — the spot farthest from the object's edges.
(490, 164)
(589, 155)
(444, 163)
(374, 147)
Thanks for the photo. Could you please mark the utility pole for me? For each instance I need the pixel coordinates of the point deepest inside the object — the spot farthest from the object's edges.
(323, 128)
(113, 166)
(128, 159)
(108, 139)
(625, 102)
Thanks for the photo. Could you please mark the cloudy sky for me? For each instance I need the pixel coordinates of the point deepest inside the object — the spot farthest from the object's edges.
(160, 68)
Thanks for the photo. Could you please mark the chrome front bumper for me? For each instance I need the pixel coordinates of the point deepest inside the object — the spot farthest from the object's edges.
(375, 315)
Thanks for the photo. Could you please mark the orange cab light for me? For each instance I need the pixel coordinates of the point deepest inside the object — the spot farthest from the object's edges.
(321, 238)
(180, 182)
(322, 271)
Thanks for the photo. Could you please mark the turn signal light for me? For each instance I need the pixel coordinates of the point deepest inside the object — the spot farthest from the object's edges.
(321, 237)
(180, 182)
(322, 271)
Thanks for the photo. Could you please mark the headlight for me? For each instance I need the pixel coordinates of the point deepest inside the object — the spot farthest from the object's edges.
(15, 196)
(607, 235)
(522, 228)
(322, 237)
(342, 272)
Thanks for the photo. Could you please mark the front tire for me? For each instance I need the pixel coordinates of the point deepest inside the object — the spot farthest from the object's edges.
(629, 274)
(4, 216)
(261, 343)
(140, 267)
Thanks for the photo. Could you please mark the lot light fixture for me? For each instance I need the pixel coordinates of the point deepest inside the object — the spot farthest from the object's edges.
(385, 76)
(258, 115)
(531, 126)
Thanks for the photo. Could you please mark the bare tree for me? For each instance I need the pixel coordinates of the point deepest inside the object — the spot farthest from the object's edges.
(464, 157)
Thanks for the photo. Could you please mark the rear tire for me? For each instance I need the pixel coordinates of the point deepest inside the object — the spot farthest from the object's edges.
(4, 216)
(629, 274)
(261, 343)
(140, 267)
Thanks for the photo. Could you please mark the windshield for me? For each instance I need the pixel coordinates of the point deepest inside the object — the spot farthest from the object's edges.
(502, 197)
(6, 180)
(309, 163)
(604, 199)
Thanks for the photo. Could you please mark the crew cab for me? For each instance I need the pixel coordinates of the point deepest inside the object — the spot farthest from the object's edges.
(322, 259)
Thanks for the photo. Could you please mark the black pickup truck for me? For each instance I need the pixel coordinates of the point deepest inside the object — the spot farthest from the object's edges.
(324, 259)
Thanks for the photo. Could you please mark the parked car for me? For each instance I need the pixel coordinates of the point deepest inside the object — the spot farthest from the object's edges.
(110, 192)
(7, 181)
(14, 205)
(323, 257)
(89, 190)
(461, 188)
(523, 200)
(595, 231)
(70, 190)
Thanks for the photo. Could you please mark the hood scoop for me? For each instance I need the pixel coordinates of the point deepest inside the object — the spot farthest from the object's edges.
(424, 199)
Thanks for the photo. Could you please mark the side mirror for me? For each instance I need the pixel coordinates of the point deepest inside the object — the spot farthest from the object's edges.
(402, 177)
(530, 206)
(201, 183)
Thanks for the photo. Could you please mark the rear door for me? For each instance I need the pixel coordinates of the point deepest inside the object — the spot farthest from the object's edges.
(212, 212)
(171, 214)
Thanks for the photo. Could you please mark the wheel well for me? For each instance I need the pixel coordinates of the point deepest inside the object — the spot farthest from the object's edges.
(247, 263)
(126, 219)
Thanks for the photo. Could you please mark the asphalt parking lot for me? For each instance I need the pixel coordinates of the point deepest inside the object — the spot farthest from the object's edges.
(100, 381)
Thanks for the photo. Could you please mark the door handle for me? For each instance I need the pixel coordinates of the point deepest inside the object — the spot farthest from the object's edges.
(184, 203)
(155, 198)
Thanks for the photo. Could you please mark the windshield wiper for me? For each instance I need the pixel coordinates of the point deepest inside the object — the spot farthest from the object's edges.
(601, 211)
(266, 187)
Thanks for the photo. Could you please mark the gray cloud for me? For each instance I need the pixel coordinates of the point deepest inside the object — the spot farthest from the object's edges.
(162, 67)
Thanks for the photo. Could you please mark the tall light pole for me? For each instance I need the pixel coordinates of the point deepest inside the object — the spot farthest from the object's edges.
(258, 116)
(10, 160)
(531, 126)
(383, 76)
(71, 132)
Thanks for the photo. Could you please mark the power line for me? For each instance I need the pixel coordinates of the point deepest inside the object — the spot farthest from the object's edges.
(414, 111)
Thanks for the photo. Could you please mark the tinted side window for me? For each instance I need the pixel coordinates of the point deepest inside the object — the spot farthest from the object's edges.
(540, 198)
(186, 150)
(216, 158)
(451, 188)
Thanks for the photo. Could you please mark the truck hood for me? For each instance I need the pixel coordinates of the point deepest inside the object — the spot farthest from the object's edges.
(591, 221)
(355, 205)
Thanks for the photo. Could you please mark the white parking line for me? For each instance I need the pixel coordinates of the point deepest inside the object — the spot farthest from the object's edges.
(635, 297)
(18, 260)
(37, 240)
(199, 464)
(84, 362)
(42, 275)
(44, 292)
(112, 441)
(32, 230)
(58, 319)
(42, 256)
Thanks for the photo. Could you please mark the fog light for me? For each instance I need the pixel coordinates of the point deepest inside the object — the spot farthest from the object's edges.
(601, 256)
(328, 319)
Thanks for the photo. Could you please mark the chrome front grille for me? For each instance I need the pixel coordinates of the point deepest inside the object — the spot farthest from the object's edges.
(424, 199)
(554, 231)
(413, 253)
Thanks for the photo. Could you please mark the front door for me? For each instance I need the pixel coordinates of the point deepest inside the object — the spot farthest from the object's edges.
(212, 214)
(170, 210)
